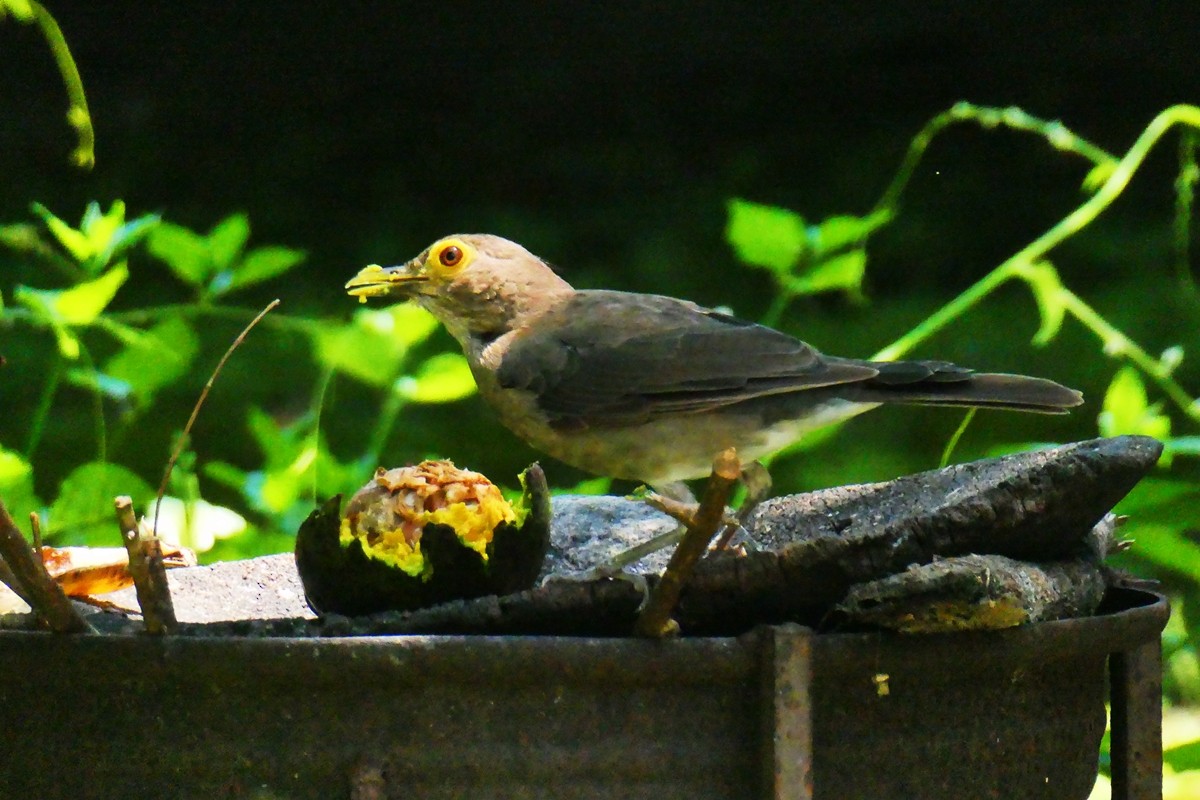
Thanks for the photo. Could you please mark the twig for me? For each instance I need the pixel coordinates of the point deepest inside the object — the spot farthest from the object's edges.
(146, 567)
(35, 585)
(35, 524)
(187, 429)
(655, 619)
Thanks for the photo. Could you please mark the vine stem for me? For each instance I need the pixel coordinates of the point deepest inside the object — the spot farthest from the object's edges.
(1019, 263)
(78, 115)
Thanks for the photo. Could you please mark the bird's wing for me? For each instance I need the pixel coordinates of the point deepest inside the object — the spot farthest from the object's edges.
(611, 358)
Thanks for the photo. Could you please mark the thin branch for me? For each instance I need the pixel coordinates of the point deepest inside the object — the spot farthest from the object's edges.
(146, 567)
(35, 524)
(187, 429)
(35, 585)
(655, 619)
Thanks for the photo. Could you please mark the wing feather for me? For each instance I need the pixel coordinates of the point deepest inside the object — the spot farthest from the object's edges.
(611, 358)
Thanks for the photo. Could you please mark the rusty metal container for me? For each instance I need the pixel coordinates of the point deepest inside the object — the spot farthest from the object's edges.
(776, 713)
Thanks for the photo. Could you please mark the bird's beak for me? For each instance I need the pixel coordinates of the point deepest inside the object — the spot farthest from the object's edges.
(377, 281)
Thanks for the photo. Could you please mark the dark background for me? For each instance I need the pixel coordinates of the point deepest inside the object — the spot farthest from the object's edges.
(607, 138)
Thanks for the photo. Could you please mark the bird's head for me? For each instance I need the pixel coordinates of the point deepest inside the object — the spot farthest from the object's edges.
(476, 284)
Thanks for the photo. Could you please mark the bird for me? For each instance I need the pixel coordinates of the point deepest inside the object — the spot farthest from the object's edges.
(650, 388)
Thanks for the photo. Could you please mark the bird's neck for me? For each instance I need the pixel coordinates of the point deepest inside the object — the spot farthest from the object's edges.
(498, 323)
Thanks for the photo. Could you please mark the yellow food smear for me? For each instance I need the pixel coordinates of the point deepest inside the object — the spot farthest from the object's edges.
(392, 548)
(474, 524)
(389, 515)
(956, 615)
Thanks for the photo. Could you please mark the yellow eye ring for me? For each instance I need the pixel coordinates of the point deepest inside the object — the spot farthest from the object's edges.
(450, 255)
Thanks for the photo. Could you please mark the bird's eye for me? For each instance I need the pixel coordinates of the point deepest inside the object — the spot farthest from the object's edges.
(447, 257)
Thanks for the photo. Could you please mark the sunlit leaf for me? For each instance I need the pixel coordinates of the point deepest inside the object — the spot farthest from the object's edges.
(1170, 359)
(838, 232)
(1183, 446)
(183, 250)
(16, 484)
(227, 238)
(842, 272)
(765, 236)
(226, 474)
(101, 228)
(443, 378)
(1156, 526)
(161, 356)
(1128, 411)
(197, 525)
(263, 263)
(1183, 757)
(1165, 545)
(79, 305)
(83, 511)
(101, 383)
(370, 348)
(272, 440)
(74, 242)
(406, 323)
(82, 303)
(1042, 279)
(126, 237)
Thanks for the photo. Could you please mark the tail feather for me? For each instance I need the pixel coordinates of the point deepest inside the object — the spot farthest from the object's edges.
(980, 389)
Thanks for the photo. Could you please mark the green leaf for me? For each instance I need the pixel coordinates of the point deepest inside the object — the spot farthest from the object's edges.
(272, 440)
(79, 305)
(765, 236)
(406, 323)
(227, 238)
(1042, 279)
(371, 348)
(1156, 526)
(841, 272)
(98, 237)
(82, 303)
(16, 484)
(183, 250)
(1183, 446)
(83, 511)
(126, 237)
(1183, 757)
(161, 356)
(101, 228)
(842, 231)
(264, 263)
(1127, 410)
(100, 383)
(74, 242)
(443, 378)
(196, 525)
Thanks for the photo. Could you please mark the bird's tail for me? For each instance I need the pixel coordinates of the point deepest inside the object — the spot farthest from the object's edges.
(942, 384)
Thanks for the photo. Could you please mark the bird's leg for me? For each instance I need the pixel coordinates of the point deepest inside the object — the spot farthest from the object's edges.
(757, 481)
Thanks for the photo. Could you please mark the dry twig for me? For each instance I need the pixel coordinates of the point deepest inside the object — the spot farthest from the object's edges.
(35, 585)
(187, 429)
(655, 619)
(146, 567)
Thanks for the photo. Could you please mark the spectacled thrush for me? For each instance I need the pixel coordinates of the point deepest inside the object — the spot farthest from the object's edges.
(651, 388)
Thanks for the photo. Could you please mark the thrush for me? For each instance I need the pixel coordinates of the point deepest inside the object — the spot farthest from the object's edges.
(651, 388)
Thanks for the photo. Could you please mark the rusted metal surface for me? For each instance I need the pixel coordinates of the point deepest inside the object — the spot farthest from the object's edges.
(1015, 714)
(1136, 677)
(787, 656)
